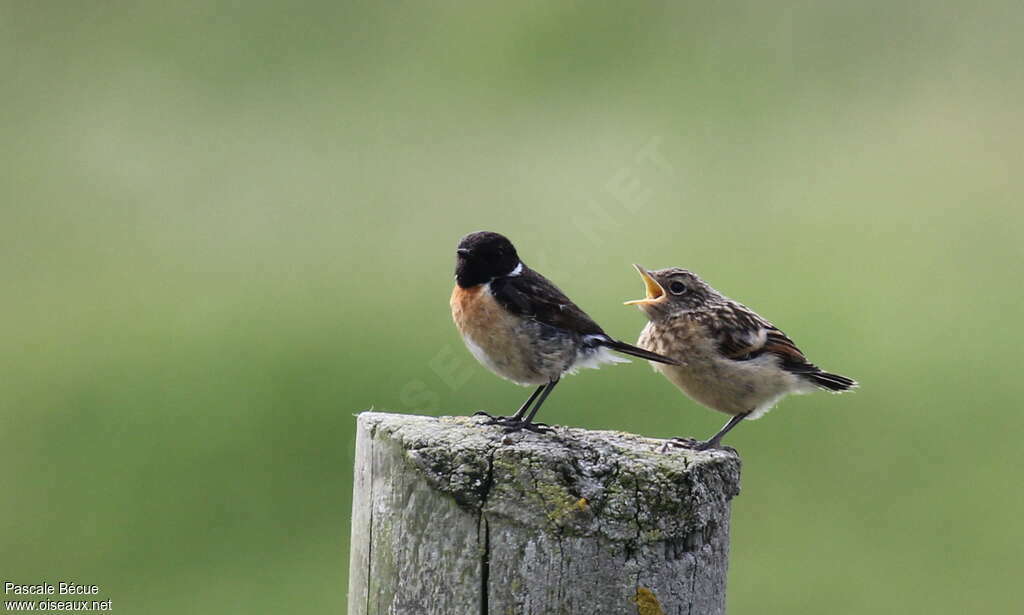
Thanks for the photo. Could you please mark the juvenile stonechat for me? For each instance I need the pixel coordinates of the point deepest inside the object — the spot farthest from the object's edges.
(728, 358)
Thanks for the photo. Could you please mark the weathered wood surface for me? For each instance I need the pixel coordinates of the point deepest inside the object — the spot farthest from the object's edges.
(454, 517)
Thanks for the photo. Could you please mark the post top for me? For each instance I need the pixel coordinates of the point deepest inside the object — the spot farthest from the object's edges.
(568, 480)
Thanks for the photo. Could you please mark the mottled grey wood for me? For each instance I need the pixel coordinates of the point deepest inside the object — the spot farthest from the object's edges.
(452, 516)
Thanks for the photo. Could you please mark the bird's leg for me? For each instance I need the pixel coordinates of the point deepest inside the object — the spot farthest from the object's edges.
(519, 413)
(713, 442)
(540, 402)
(517, 422)
(717, 438)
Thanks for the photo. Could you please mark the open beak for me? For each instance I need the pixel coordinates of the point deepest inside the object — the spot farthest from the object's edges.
(655, 293)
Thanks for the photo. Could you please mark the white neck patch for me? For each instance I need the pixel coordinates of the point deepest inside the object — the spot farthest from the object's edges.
(517, 271)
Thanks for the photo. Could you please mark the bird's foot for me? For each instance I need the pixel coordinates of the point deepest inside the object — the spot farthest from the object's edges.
(490, 416)
(690, 443)
(512, 424)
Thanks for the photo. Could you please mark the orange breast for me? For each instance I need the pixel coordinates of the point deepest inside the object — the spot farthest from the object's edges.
(473, 309)
(496, 337)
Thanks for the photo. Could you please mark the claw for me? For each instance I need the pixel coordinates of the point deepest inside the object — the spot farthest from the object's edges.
(489, 415)
(512, 424)
(689, 443)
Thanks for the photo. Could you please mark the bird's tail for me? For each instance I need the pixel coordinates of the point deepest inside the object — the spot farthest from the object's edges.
(832, 382)
(630, 349)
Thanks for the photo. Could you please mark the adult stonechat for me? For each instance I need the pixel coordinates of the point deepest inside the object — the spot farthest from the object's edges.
(522, 327)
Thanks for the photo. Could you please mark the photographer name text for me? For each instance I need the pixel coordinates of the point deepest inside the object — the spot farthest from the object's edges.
(61, 588)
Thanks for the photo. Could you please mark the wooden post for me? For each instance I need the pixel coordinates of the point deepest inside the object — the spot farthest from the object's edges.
(450, 516)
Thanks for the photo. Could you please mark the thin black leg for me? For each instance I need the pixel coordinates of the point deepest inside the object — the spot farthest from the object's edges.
(519, 413)
(715, 439)
(547, 391)
(522, 409)
(713, 442)
(517, 422)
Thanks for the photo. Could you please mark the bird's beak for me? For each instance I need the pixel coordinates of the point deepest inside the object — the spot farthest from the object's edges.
(655, 293)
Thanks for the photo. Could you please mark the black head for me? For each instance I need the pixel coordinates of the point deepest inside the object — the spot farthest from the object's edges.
(482, 257)
(674, 290)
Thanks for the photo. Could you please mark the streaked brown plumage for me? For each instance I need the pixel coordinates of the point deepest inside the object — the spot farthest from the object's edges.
(730, 358)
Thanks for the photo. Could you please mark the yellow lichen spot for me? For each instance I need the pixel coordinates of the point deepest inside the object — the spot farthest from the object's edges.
(647, 603)
(558, 503)
(582, 504)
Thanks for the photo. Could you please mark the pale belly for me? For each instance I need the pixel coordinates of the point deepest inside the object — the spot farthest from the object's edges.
(732, 387)
(750, 386)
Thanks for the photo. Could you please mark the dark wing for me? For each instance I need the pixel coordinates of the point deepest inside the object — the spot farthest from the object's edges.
(531, 295)
(742, 335)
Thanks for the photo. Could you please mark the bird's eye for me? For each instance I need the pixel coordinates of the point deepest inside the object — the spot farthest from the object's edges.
(677, 288)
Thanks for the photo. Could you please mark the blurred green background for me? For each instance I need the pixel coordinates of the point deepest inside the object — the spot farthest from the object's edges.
(225, 228)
